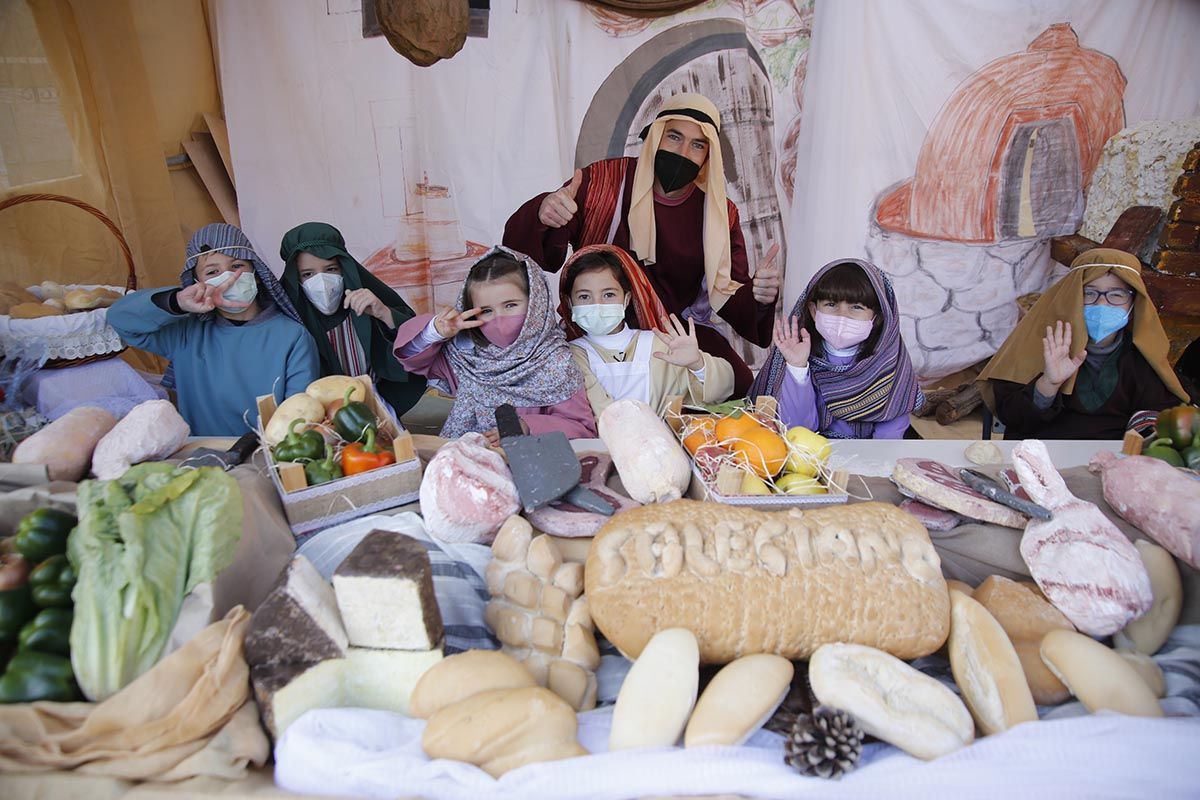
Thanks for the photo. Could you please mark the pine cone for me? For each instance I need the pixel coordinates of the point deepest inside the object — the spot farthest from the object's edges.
(797, 702)
(825, 744)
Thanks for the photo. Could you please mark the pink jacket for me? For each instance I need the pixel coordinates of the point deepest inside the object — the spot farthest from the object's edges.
(572, 416)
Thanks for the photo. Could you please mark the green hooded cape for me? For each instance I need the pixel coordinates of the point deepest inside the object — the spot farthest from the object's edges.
(397, 386)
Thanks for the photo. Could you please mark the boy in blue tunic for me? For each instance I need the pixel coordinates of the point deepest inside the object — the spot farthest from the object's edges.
(230, 332)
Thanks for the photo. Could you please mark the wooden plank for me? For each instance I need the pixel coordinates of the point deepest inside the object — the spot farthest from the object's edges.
(1133, 228)
(1173, 294)
(220, 135)
(203, 153)
(291, 475)
(1175, 262)
(1180, 236)
(1187, 187)
(1184, 211)
(1065, 249)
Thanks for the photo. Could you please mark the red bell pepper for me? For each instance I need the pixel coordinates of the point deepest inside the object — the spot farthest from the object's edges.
(358, 457)
(1180, 424)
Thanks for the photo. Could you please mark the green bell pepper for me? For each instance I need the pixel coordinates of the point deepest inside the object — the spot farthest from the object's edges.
(43, 533)
(354, 419)
(324, 470)
(16, 608)
(306, 446)
(48, 632)
(1191, 457)
(1162, 450)
(1180, 424)
(38, 676)
(51, 582)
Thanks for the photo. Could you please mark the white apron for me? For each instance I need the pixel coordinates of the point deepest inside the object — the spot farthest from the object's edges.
(623, 380)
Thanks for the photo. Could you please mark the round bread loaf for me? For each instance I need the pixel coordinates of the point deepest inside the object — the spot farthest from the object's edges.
(747, 582)
(891, 700)
(461, 675)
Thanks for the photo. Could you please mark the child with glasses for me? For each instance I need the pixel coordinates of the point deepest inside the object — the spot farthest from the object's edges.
(1089, 355)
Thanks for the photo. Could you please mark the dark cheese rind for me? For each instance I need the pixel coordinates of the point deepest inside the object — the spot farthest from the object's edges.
(298, 622)
(390, 555)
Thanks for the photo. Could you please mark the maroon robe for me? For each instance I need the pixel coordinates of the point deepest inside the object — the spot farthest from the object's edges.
(677, 275)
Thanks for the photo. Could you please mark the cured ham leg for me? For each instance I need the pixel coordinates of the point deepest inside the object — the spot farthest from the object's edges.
(1160, 500)
(1083, 564)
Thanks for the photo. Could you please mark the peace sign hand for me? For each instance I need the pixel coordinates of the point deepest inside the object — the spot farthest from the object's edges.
(450, 322)
(682, 348)
(558, 208)
(793, 341)
(201, 297)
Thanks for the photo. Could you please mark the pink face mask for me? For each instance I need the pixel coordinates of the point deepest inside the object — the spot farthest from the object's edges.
(503, 331)
(842, 333)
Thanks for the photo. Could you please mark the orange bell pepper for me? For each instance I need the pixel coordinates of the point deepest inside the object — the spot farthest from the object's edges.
(362, 457)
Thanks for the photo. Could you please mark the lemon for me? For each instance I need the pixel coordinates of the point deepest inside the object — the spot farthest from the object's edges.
(795, 483)
(807, 451)
(752, 484)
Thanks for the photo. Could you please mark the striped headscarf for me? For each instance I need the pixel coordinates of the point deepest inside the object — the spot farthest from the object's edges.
(644, 301)
(534, 371)
(224, 238)
(873, 389)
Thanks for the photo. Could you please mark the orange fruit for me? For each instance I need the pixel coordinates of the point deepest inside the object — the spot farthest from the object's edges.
(735, 426)
(699, 433)
(763, 451)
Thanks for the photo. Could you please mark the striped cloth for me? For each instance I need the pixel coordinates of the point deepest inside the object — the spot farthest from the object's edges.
(880, 387)
(348, 348)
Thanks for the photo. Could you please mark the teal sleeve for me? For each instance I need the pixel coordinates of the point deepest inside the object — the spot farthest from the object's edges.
(140, 322)
(303, 366)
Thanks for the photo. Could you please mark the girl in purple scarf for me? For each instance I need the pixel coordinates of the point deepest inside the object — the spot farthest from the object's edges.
(838, 365)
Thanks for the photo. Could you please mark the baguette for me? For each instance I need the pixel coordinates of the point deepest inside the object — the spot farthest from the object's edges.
(739, 700)
(749, 582)
(986, 668)
(658, 693)
(1098, 676)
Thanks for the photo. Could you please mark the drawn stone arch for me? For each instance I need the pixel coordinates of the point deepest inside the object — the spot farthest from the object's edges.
(716, 59)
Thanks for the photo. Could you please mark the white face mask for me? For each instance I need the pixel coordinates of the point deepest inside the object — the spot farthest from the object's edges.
(243, 290)
(598, 319)
(324, 290)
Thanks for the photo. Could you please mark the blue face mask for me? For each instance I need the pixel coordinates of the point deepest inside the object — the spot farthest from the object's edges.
(1103, 321)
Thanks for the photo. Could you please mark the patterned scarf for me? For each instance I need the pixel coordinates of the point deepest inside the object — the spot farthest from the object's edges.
(874, 389)
(534, 371)
(645, 303)
(224, 238)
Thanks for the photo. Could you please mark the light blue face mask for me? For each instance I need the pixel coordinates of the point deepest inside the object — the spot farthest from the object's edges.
(1103, 321)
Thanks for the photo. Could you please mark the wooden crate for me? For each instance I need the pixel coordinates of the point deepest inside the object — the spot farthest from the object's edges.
(311, 508)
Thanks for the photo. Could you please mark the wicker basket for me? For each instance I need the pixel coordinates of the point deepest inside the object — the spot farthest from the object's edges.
(130, 274)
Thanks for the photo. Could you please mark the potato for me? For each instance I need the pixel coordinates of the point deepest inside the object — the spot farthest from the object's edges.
(331, 388)
(298, 406)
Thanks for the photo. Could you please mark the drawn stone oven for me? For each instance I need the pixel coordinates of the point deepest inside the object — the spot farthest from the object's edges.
(1002, 169)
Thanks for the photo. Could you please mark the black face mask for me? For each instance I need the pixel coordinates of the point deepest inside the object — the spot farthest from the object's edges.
(673, 170)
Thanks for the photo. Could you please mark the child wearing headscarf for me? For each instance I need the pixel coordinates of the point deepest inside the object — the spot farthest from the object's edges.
(624, 342)
(352, 315)
(229, 330)
(838, 365)
(501, 343)
(1088, 356)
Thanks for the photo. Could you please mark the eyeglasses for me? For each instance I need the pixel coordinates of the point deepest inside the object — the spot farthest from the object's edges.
(1114, 297)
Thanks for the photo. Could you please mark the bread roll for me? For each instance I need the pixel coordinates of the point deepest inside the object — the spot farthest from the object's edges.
(747, 582)
(1150, 672)
(953, 585)
(1026, 616)
(739, 700)
(66, 445)
(658, 693)
(13, 294)
(87, 299)
(891, 700)
(33, 311)
(461, 675)
(1098, 676)
(503, 729)
(986, 668)
(1149, 632)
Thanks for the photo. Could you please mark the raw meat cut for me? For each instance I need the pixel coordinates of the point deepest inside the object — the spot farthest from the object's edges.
(934, 519)
(564, 519)
(1162, 501)
(467, 492)
(935, 484)
(151, 431)
(1083, 564)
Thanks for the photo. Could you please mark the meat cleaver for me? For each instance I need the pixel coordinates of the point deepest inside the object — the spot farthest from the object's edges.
(225, 459)
(544, 467)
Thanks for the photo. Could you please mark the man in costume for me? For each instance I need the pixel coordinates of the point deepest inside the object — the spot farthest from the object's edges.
(667, 207)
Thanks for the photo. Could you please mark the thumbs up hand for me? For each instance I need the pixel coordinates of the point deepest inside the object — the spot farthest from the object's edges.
(559, 207)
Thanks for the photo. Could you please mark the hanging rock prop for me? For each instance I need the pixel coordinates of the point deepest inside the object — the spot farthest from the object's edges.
(424, 31)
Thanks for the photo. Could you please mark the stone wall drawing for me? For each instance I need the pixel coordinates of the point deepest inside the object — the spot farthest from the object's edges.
(1002, 169)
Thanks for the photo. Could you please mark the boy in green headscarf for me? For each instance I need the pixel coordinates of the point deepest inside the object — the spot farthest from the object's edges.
(352, 314)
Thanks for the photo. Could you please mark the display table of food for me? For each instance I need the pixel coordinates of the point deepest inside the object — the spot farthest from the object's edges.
(922, 633)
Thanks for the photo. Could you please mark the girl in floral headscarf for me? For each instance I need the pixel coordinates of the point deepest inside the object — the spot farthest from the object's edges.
(229, 332)
(500, 344)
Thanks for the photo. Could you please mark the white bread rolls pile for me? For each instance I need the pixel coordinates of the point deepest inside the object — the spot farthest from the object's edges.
(538, 612)
(748, 582)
